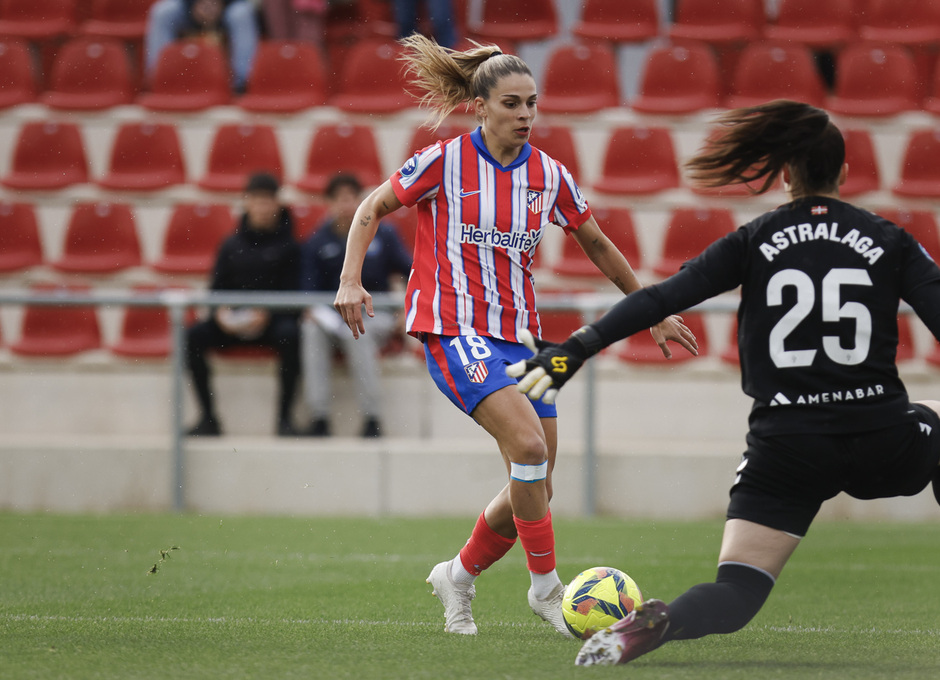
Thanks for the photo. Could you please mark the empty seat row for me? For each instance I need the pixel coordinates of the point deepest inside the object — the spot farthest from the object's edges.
(871, 80)
(639, 160)
(681, 78)
(103, 238)
(145, 156)
(148, 156)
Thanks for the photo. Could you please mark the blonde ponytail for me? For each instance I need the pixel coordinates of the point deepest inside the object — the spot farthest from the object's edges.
(447, 78)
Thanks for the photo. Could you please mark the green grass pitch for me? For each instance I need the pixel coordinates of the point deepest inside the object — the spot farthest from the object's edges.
(185, 596)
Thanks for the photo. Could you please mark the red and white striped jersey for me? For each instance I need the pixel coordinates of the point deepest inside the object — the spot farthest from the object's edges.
(479, 224)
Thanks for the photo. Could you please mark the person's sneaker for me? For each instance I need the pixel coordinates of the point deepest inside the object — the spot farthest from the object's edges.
(319, 427)
(371, 427)
(207, 427)
(637, 633)
(456, 599)
(285, 428)
(549, 609)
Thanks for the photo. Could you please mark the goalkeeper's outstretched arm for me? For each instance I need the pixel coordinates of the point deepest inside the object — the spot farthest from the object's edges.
(554, 364)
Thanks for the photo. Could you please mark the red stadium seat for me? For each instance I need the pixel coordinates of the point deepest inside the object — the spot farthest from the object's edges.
(145, 331)
(37, 19)
(775, 71)
(424, 137)
(913, 22)
(145, 157)
(638, 160)
(641, 349)
(20, 247)
(341, 148)
(689, 232)
(874, 80)
(307, 219)
(372, 80)
(579, 79)
(920, 172)
(237, 151)
(618, 20)
(17, 79)
(679, 79)
(89, 74)
(49, 330)
(864, 174)
(815, 23)
(921, 224)
(192, 238)
(124, 19)
(101, 238)
(558, 142)
(617, 224)
(931, 102)
(517, 20)
(286, 77)
(729, 21)
(189, 76)
(48, 155)
(558, 324)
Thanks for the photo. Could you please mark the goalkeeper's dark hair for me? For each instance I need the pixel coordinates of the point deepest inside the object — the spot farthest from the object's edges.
(447, 78)
(754, 144)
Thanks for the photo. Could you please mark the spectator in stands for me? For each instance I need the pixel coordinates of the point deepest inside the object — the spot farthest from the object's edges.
(261, 255)
(170, 20)
(323, 329)
(440, 14)
(300, 20)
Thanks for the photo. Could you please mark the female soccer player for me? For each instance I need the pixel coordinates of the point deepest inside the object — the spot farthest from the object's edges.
(821, 283)
(484, 201)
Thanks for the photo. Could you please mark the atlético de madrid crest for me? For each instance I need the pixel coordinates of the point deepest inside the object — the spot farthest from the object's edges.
(476, 371)
(534, 199)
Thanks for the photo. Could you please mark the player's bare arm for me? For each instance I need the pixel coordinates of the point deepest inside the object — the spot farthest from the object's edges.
(612, 263)
(351, 295)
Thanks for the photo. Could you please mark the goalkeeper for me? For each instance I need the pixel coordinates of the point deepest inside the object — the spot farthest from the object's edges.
(821, 282)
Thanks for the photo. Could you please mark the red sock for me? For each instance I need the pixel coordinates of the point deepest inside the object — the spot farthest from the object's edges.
(538, 540)
(483, 548)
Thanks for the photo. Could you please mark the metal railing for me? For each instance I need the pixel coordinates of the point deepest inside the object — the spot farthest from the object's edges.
(178, 301)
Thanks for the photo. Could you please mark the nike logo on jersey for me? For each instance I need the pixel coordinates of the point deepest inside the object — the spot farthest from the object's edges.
(465, 194)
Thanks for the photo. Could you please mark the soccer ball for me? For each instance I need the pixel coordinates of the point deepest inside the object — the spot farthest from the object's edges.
(597, 598)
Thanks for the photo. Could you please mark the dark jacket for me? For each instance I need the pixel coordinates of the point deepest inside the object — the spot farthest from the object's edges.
(251, 259)
(323, 253)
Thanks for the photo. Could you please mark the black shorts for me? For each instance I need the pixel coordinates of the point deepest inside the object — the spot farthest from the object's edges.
(783, 479)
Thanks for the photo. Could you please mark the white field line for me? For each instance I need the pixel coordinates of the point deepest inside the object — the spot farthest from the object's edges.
(238, 621)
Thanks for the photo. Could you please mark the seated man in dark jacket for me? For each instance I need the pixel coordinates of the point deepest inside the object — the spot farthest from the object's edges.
(261, 255)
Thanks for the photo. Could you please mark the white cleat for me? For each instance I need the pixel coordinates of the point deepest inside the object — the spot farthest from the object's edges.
(456, 599)
(549, 609)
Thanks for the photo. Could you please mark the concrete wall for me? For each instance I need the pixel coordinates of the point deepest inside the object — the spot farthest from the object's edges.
(668, 441)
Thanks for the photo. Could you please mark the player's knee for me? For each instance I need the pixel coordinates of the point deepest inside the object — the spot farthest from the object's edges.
(528, 449)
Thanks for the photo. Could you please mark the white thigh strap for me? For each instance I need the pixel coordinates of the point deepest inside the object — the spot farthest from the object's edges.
(528, 473)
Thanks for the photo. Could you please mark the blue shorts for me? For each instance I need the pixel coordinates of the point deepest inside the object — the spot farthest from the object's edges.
(468, 368)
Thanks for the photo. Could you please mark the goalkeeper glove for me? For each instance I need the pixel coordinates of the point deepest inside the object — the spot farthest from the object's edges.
(553, 365)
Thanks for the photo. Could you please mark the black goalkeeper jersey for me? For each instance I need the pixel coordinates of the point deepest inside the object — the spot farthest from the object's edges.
(820, 284)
